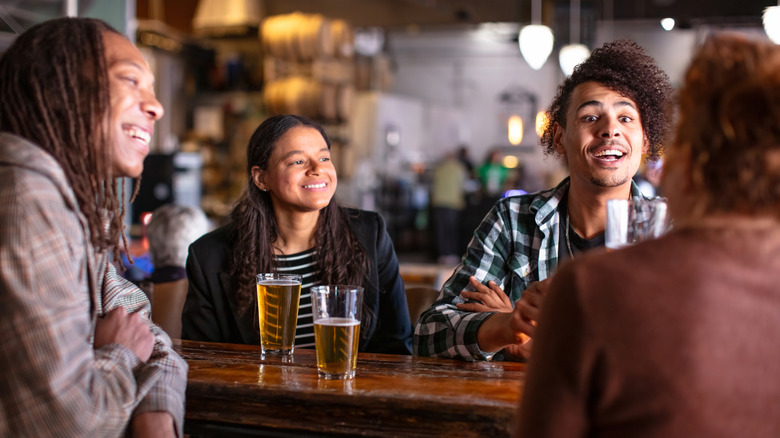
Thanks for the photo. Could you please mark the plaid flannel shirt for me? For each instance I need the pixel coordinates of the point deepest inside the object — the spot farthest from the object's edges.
(53, 287)
(515, 245)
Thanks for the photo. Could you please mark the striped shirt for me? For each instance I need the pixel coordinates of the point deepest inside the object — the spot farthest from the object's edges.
(303, 264)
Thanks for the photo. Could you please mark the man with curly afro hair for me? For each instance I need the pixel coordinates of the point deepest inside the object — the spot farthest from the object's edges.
(614, 108)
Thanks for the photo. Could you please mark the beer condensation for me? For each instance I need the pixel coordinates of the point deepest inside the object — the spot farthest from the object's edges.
(277, 305)
(337, 345)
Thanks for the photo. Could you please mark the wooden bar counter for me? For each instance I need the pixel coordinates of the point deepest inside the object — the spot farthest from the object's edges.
(232, 391)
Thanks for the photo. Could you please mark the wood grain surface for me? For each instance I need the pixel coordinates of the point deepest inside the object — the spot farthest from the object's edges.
(232, 386)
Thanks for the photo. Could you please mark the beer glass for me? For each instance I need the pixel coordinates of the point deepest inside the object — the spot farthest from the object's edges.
(633, 220)
(278, 297)
(336, 313)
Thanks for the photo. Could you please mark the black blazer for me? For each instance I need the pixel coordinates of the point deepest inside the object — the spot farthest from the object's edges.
(211, 310)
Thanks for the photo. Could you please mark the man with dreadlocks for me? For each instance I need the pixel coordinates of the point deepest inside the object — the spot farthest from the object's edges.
(78, 355)
(606, 115)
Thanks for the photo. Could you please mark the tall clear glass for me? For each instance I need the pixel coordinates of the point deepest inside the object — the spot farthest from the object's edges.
(278, 298)
(633, 220)
(336, 312)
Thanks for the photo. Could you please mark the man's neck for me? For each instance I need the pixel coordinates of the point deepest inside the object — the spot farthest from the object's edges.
(588, 207)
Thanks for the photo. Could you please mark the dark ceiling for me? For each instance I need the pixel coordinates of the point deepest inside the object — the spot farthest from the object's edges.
(433, 13)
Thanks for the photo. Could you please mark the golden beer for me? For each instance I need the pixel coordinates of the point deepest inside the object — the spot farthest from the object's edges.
(277, 304)
(336, 345)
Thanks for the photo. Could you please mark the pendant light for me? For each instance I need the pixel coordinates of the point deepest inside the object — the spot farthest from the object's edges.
(772, 22)
(574, 53)
(536, 39)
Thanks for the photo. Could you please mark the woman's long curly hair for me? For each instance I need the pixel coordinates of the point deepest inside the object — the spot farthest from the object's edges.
(55, 93)
(624, 67)
(340, 257)
(730, 126)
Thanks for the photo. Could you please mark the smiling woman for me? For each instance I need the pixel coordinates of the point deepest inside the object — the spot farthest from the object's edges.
(287, 221)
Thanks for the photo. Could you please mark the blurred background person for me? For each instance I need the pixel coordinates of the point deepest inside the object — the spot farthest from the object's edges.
(171, 230)
(448, 201)
(287, 221)
(677, 337)
(492, 174)
(465, 159)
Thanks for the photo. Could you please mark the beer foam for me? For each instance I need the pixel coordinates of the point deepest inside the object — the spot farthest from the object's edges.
(345, 322)
(279, 283)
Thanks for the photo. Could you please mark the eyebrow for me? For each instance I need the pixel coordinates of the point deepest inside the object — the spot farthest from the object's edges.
(298, 151)
(129, 62)
(597, 103)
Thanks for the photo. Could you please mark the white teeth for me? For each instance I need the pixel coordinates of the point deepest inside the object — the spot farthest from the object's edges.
(139, 134)
(315, 186)
(614, 152)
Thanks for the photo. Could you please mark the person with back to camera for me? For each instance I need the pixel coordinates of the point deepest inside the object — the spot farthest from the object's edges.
(170, 232)
(677, 336)
(78, 355)
(288, 221)
(605, 116)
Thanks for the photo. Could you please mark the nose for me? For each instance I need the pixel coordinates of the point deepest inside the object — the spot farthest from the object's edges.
(314, 168)
(152, 107)
(610, 128)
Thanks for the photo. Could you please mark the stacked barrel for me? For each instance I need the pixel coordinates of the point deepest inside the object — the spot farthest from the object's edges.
(308, 66)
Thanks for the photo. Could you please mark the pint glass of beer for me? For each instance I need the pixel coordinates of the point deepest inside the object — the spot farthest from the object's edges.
(278, 297)
(336, 313)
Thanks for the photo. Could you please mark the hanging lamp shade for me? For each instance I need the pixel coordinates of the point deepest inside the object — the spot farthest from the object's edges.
(536, 44)
(772, 23)
(572, 55)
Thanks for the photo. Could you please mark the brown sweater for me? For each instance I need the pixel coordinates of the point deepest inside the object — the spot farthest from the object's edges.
(677, 337)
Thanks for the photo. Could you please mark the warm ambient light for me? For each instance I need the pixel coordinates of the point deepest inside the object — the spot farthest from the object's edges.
(572, 55)
(510, 161)
(536, 44)
(772, 23)
(667, 24)
(541, 122)
(515, 130)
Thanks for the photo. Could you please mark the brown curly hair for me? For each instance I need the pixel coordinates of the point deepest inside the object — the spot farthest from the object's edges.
(730, 126)
(622, 66)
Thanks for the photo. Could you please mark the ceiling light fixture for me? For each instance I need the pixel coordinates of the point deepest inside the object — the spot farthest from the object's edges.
(772, 22)
(536, 40)
(573, 54)
(667, 24)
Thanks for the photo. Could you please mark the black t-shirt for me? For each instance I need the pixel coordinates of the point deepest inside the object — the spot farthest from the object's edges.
(578, 244)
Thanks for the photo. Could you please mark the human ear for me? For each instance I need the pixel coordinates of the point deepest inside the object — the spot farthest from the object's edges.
(258, 178)
(557, 137)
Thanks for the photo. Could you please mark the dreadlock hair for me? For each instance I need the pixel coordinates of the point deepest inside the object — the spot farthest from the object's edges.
(54, 89)
(340, 257)
(622, 66)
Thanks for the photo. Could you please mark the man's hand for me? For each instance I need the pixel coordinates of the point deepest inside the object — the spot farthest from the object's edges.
(490, 298)
(153, 424)
(530, 304)
(127, 329)
(504, 329)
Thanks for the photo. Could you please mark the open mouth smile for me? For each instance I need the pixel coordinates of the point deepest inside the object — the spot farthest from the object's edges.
(139, 134)
(315, 186)
(609, 155)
